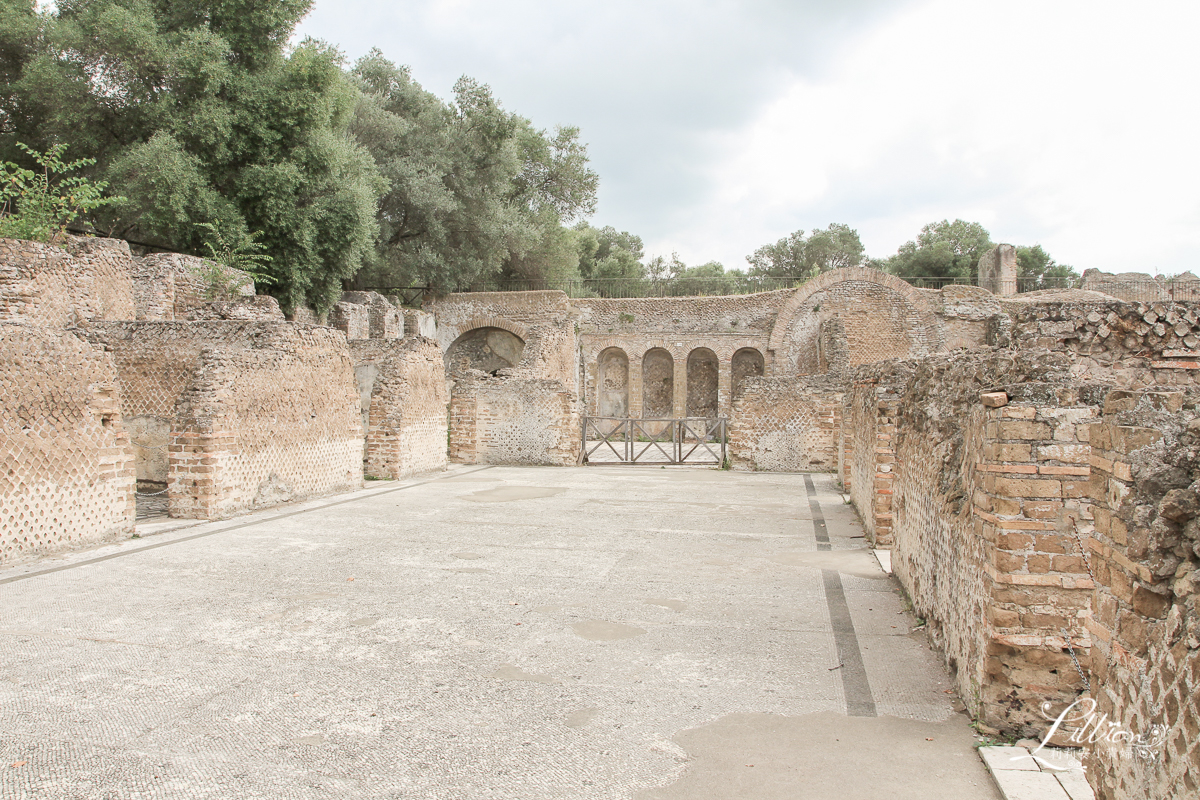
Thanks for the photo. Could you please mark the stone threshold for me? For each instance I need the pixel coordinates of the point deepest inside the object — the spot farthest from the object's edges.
(1051, 774)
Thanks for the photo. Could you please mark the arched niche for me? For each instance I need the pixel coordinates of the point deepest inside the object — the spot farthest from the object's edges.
(747, 363)
(702, 369)
(658, 383)
(612, 383)
(484, 349)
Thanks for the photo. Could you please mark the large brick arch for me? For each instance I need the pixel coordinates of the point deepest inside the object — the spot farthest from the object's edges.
(892, 299)
(515, 328)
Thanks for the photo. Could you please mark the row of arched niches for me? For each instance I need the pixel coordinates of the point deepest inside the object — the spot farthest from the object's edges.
(659, 390)
(660, 397)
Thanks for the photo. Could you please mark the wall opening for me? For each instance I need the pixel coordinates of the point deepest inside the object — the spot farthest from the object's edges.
(612, 383)
(747, 363)
(702, 368)
(486, 349)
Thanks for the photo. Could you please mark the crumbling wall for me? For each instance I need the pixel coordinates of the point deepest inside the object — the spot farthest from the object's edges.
(881, 317)
(869, 422)
(1132, 345)
(522, 421)
(963, 314)
(998, 270)
(173, 286)
(375, 317)
(404, 399)
(785, 425)
(991, 478)
(513, 311)
(268, 423)
(1145, 555)
(43, 284)
(64, 454)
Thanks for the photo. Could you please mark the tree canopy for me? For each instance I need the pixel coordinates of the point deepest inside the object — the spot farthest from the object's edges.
(200, 113)
(798, 255)
(943, 249)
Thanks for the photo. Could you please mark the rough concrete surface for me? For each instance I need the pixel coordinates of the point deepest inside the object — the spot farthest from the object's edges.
(582, 633)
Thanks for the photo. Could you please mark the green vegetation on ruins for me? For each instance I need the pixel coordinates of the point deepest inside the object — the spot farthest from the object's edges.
(189, 119)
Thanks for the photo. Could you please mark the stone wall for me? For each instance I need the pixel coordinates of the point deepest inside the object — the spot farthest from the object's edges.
(985, 500)
(43, 284)
(512, 311)
(998, 270)
(785, 425)
(881, 317)
(272, 422)
(513, 421)
(64, 453)
(403, 401)
(869, 417)
(173, 286)
(1132, 345)
(1145, 554)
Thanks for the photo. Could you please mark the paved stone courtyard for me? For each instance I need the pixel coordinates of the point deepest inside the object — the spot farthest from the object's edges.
(489, 632)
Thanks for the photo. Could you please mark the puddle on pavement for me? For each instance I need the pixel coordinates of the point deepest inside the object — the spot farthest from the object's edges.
(577, 719)
(845, 758)
(467, 556)
(674, 605)
(504, 494)
(508, 672)
(859, 563)
(600, 631)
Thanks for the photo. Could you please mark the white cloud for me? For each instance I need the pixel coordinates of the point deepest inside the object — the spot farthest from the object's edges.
(1068, 123)
(718, 126)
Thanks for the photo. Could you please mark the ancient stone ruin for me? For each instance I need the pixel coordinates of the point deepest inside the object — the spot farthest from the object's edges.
(1031, 460)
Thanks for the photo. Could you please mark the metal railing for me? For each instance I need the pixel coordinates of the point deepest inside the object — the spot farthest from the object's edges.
(625, 440)
(1130, 289)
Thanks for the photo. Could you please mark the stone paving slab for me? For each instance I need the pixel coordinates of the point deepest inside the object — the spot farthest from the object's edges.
(485, 633)
(1054, 774)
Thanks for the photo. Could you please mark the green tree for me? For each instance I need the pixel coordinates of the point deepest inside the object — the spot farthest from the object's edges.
(944, 250)
(610, 261)
(475, 193)
(196, 112)
(798, 255)
(1037, 270)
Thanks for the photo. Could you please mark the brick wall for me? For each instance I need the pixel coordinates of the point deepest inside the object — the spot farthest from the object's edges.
(43, 284)
(404, 399)
(173, 286)
(513, 421)
(869, 427)
(785, 425)
(985, 500)
(260, 425)
(1132, 345)
(1145, 554)
(64, 454)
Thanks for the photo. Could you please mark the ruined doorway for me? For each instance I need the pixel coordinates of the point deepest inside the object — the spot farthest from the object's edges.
(485, 349)
(702, 370)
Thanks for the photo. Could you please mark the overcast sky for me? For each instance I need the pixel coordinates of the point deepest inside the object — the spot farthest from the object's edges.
(719, 126)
